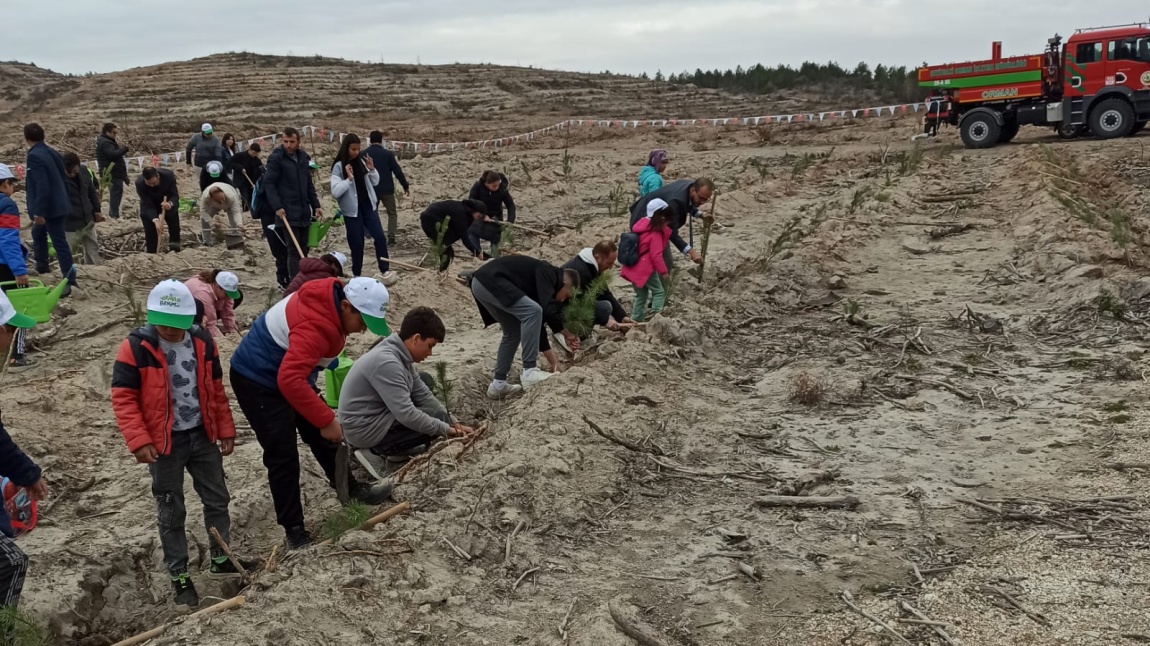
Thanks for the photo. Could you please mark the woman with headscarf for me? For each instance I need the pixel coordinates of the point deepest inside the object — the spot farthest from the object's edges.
(651, 175)
(353, 181)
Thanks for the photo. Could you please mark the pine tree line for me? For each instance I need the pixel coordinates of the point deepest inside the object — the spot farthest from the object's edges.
(887, 83)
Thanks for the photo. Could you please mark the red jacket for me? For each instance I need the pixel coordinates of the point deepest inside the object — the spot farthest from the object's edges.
(309, 269)
(142, 394)
(288, 345)
(651, 245)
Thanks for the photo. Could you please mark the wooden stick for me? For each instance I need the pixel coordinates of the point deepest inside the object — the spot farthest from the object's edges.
(935, 625)
(626, 618)
(234, 602)
(620, 441)
(291, 233)
(404, 265)
(844, 502)
(1038, 618)
(378, 519)
(245, 577)
(420, 459)
(524, 576)
(849, 600)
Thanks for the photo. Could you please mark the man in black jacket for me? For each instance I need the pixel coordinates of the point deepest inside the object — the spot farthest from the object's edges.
(288, 200)
(80, 227)
(462, 214)
(521, 294)
(388, 167)
(110, 153)
(248, 168)
(491, 189)
(590, 264)
(684, 197)
(159, 194)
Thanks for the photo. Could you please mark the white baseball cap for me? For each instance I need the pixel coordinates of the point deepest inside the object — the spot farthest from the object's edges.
(230, 283)
(341, 258)
(655, 205)
(8, 313)
(214, 168)
(171, 304)
(206, 128)
(370, 297)
(6, 173)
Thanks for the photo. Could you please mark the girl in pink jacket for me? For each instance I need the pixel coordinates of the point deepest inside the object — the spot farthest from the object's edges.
(649, 274)
(215, 290)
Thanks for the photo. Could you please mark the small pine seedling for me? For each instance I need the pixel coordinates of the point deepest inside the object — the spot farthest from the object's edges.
(18, 628)
(135, 307)
(345, 519)
(445, 386)
(579, 313)
(436, 250)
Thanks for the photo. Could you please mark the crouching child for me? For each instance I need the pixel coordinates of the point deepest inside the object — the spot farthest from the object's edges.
(169, 400)
(386, 407)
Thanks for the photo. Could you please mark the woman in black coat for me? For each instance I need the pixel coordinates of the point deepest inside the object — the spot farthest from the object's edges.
(491, 189)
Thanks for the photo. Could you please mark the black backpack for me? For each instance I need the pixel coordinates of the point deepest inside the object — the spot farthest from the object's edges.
(629, 249)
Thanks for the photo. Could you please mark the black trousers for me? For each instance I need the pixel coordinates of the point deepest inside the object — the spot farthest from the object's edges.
(116, 197)
(148, 214)
(283, 250)
(276, 425)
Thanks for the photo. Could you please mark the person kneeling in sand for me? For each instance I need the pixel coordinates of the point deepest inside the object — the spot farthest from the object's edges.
(386, 406)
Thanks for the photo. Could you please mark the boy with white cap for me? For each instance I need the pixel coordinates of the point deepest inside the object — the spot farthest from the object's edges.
(13, 256)
(169, 400)
(215, 292)
(20, 469)
(207, 148)
(329, 265)
(273, 374)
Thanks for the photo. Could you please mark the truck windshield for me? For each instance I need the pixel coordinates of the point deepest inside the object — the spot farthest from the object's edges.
(1130, 49)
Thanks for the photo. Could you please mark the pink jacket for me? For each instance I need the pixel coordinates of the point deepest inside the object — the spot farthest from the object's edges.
(651, 245)
(214, 311)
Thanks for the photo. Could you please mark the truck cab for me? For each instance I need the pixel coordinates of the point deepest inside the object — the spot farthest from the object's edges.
(1106, 80)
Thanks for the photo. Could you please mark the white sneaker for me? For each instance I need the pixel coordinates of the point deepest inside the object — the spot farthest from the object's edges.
(506, 391)
(389, 278)
(372, 463)
(533, 377)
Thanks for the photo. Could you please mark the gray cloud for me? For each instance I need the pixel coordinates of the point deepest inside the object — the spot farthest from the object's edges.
(630, 36)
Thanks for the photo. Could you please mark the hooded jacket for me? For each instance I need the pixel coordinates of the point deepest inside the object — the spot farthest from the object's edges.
(383, 389)
(510, 278)
(677, 195)
(19, 468)
(389, 170)
(110, 153)
(217, 313)
(207, 149)
(289, 344)
(142, 390)
(11, 248)
(310, 269)
(494, 200)
(649, 180)
(344, 191)
(651, 245)
(46, 184)
(287, 185)
(85, 200)
(461, 219)
(588, 270)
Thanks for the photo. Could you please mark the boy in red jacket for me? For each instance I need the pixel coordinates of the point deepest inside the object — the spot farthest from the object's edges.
(168, 396)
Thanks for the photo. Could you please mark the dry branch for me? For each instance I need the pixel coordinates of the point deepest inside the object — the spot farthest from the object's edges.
(935, 625)
(849, 600)
(234, 602)
(244, 576)
(653, 450)
(626, 618)
(989, 589)
(839, 502)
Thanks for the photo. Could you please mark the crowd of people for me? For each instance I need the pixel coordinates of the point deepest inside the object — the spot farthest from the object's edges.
(167, 390)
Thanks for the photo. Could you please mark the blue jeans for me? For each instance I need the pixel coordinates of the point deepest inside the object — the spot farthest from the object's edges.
(366, 222)
(55, 228)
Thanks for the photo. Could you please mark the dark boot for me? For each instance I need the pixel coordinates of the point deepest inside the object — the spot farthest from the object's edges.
(185, 590)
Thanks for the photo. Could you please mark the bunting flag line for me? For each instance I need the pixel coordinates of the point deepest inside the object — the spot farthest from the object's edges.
(333, 136)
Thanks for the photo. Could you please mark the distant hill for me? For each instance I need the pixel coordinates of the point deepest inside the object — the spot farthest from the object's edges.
(159, 106)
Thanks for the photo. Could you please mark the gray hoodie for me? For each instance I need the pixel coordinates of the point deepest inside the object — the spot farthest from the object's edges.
(382, 390)
(207, 149)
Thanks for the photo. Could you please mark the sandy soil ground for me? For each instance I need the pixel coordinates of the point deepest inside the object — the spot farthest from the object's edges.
(954, 341)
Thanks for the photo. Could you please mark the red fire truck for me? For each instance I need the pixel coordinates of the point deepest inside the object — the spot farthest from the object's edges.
(1098, 82)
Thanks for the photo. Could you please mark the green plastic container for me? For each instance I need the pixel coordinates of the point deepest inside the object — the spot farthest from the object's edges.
(35, 300)
(333, 380)
(187, 205)
(319, 228)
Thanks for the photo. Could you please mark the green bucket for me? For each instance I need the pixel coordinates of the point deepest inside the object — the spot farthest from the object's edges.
(319, 228)
(333, 380)
(35, 300)
(187, 205)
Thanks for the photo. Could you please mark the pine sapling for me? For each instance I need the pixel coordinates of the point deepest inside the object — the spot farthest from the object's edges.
(135, 307)
(347, 518)
(437, 249)
(507, 238)
(579, 313)
(444, 386)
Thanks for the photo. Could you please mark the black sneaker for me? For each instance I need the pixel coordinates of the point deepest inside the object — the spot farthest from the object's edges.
(225, 569)
(297, 538)
(372, 496)
(20, 362)
(185, 590)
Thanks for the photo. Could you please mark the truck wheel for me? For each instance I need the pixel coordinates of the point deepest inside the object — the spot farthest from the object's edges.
(1009, 132)
(980, 130)
(1112, 118)
(1069, 132)
(1138, 126)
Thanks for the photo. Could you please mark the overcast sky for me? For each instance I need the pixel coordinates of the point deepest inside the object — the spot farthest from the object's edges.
(629, 36)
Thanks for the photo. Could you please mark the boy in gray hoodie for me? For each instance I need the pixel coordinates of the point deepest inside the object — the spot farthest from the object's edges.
(386, 406)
